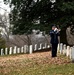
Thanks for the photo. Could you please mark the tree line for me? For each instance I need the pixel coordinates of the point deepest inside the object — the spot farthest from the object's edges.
(25, 13)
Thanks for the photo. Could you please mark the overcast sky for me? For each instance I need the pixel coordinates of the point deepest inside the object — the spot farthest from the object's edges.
(3, 7)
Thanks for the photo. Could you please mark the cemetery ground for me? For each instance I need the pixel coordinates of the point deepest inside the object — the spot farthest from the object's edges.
(38, 63)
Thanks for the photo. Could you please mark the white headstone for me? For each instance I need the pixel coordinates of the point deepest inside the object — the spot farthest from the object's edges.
(58, 48)
(35, 47)
(31, 49)
(68, 50)
(22, 49)
(61, 48)
(64, 49)
(18, 50)
(2, 52)
(45, 45)
(15, 50)
(48, 46)
(25, 48)
(6, 51)
(72, 54)
(40, 47)
(10, 51)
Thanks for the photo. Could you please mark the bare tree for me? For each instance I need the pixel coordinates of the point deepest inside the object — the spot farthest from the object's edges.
(4, 25)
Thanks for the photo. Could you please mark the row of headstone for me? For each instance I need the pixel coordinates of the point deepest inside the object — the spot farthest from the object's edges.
(14, 50)
(66, 50)
(23, 49)
(36, 47)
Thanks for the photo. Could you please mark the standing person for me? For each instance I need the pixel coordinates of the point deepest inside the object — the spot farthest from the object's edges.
(54, 33)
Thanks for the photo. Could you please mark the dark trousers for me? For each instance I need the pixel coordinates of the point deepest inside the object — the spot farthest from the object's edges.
(54, 49)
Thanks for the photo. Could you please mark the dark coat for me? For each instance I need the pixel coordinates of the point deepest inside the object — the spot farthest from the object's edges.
(54, 37)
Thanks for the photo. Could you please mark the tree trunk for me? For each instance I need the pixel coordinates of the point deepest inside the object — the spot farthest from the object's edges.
(63, 36)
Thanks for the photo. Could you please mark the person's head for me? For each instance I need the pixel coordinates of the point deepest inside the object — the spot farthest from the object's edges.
(53, 27)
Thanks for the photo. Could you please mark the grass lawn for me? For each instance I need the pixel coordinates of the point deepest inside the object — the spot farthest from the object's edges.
(36, 64)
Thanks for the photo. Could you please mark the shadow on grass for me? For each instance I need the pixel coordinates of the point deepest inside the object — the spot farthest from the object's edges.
(43, 50)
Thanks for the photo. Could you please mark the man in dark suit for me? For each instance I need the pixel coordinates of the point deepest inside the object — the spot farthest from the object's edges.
(54, 33)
